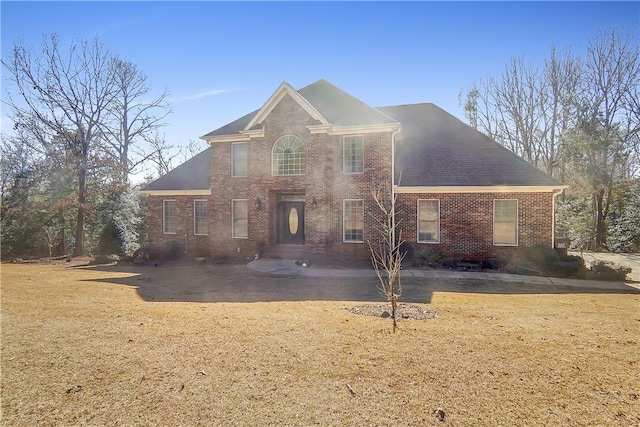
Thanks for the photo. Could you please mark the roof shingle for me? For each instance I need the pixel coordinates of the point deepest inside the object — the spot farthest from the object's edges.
(440, 150)
(194, 174)
(436, 148)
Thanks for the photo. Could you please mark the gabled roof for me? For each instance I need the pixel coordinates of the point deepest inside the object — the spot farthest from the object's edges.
(435, 149)
(233, 127)
(283, 90)
(323, 101)
(440, 150)
(194, 175)
(340, 108)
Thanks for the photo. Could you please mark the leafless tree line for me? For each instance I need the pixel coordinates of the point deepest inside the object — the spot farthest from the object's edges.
(575, 117)
(82, 108)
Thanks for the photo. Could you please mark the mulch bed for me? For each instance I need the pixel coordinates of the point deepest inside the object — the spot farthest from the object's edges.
(403, 311)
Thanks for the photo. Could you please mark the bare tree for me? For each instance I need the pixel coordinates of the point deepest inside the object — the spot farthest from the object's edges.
(131, 118)
(528, 108)
(61, 99)
(604, 141)
(387, 256)
(161, 154)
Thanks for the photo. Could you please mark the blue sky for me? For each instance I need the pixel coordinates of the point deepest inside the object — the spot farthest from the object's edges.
(221, 60)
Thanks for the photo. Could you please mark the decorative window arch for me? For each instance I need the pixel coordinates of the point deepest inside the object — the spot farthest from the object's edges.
(288, 156)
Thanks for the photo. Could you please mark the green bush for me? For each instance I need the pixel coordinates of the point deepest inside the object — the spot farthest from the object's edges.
(569, 266)
(432, 258)
(172, 251)
(110, 241)
(605, 270)
(543, 259)
(543, 256)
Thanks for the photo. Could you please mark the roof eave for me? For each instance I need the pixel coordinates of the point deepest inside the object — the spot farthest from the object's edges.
(480, 189)
(201, 192)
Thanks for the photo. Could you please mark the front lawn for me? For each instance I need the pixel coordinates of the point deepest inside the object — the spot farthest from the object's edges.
(91, 346)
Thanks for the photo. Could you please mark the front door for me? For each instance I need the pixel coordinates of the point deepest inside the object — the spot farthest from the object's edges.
(290, 223)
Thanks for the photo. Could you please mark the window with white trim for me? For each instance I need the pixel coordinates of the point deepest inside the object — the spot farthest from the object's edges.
(288, 156)
(353, 221)
(239, 219)
(428, 221)
(505, 222)
(239, 159)
(353, 154)
(169, 216)
(200, 216)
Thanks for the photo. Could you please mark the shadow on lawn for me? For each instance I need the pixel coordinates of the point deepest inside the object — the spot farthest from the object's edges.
(191, 282)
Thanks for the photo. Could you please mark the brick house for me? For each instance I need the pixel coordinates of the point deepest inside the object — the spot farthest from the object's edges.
(294, 179)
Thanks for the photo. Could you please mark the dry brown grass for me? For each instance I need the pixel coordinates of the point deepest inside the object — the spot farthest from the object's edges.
(488, 359)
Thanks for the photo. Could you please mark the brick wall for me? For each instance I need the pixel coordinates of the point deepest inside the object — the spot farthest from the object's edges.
(466, 220)
(191, 245)
(323, 182)
(466, 223)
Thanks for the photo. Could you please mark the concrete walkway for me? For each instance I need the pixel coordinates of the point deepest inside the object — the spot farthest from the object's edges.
(286, 267)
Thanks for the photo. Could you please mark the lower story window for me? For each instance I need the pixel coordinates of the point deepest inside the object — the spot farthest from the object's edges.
(428, 221)
(353, 221)
(200, 215)
(239, 219)
(505, 222)
(169, 216)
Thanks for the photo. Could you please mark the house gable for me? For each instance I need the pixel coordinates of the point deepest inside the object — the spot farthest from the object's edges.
(282, 91)
(333, 111)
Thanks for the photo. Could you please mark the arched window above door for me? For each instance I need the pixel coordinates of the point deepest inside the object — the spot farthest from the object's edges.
(288, 156)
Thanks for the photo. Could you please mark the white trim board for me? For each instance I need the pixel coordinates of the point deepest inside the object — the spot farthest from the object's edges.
(479, 189)
(177, 192)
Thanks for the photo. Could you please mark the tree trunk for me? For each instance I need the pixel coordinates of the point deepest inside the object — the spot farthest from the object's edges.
(601, 231)
(82, 186)
(394, 304)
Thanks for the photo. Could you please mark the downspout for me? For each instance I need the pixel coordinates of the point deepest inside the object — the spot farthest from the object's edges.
(393, 183)
(553, 216)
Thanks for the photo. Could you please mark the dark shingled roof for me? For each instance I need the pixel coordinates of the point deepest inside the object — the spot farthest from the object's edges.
(440, 150)
(335, 105)
(194, 174)
(436, 149)
(340, 108)
(234, 127)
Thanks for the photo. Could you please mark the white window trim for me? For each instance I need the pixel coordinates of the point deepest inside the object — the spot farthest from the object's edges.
(164, 226)
(194, 217)
(344, 154)
(232, 160)
(493, 231)
(232, 219)
(344, 205)
(433, 242)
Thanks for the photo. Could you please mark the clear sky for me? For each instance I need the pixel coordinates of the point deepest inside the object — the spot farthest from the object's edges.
(221, 60)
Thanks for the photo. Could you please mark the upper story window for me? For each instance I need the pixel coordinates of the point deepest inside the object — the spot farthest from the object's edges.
(288, 156)
(352, 154)
(239, 159)
(505, 222)
(169, 216)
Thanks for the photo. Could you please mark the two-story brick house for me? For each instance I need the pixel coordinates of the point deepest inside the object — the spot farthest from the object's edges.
(297, 175)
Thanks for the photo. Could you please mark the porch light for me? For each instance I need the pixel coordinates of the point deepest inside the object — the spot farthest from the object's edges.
(314, 203)
(258, 204)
